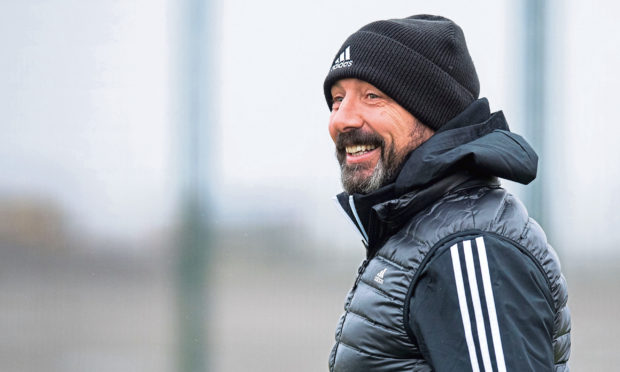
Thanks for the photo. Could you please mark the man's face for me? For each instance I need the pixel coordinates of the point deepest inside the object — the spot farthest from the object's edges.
(373, 135)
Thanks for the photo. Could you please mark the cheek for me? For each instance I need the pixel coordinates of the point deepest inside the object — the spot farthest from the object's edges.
(403, 140)
(401, 125)
(388, 128)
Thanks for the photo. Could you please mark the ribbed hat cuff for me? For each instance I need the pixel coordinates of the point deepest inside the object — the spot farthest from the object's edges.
(417, 84)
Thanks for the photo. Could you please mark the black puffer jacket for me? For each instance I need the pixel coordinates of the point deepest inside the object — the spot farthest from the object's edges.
(457, 276)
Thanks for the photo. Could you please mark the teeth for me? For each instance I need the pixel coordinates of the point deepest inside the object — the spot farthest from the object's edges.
(359, 148)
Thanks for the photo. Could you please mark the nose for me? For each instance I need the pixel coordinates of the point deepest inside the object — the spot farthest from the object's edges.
(345, 117)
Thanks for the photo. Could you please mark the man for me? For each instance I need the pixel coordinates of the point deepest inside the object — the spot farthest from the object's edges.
(457, 276)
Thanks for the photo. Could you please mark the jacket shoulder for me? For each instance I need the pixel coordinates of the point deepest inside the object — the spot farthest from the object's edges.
(488, 209)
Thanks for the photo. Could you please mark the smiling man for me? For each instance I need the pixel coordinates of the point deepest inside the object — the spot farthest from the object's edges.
(457, 277)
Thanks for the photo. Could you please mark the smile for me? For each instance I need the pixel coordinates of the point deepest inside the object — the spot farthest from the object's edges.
(357, 150)
(367, 154)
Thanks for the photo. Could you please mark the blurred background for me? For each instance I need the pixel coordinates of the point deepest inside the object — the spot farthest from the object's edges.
(166, 174)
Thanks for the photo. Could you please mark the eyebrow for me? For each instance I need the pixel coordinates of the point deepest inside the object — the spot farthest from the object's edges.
(335, 86)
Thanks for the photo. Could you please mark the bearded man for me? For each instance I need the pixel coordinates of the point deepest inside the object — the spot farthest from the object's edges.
(457, 277)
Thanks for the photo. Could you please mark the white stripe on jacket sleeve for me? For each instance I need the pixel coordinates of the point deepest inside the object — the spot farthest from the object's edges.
(488, 294)
(460, 290)
(476, 291)
(475, 299)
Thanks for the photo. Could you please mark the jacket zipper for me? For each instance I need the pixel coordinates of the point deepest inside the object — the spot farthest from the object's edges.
(360, 271)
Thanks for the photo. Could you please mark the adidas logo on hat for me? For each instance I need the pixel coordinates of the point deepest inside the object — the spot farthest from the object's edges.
(344, 60)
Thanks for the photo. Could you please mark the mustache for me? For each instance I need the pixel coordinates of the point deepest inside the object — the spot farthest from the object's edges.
(357, 137)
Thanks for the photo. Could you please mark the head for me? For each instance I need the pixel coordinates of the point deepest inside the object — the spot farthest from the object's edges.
(392, 85)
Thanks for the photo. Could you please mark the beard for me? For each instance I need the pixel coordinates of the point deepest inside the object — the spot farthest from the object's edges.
(352, 176)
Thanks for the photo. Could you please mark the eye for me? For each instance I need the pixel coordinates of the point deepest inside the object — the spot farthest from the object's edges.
(336, 101)
(372, 95)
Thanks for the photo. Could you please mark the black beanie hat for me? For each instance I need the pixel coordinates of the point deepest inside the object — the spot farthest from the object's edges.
(421, 62)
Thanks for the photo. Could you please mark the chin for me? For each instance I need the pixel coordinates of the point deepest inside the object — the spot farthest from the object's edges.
(358, 181)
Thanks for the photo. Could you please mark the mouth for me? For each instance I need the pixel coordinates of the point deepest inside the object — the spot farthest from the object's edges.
(358, 150)
(366, 153)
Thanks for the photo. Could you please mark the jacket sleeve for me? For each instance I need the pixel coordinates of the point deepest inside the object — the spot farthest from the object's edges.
(483, 304)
